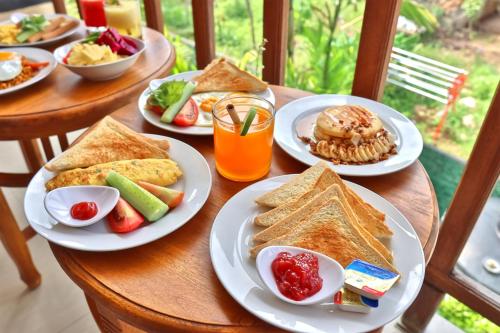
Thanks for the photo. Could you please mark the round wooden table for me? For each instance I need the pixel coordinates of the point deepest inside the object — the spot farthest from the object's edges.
(170, 286)
(64, 101)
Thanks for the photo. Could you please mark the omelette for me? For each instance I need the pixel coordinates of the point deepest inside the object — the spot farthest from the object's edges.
(161, 172)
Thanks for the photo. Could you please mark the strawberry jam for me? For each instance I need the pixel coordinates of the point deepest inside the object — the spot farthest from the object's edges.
(297, 277)
(84, 210)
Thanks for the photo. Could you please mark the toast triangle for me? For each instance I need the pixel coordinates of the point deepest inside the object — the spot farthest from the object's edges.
(329, 231)
(108, 141)
(222, 75)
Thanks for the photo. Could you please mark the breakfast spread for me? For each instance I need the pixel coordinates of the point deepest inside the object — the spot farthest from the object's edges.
(84, 210)
(190, 103)
(297, 277)
(111, 154)
(16, 69)
(100, 48)
(317, 211)
(350, 134)
(35, 28)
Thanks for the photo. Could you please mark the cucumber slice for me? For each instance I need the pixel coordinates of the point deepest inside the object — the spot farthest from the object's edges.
(248, 121)
(146, 203)
(169, 115)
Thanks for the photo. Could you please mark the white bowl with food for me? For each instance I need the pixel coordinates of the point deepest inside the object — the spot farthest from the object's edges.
(95, 62)
(330, 272)
(80, 206)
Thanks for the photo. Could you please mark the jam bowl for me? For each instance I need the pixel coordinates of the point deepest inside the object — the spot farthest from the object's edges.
(329, 270)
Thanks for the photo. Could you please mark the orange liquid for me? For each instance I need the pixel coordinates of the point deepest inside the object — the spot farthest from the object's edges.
(244, 158)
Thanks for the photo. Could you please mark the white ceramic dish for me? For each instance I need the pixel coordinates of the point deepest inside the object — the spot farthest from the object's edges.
(231, 239)
(33, 54)
(329, 270)
(154, 119)
(407, 137)
(196, 183)
(50, 41)
(101, 72)
(58, 203)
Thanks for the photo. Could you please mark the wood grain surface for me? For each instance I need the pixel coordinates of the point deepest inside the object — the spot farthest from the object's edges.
(64, 101)
(170, 284)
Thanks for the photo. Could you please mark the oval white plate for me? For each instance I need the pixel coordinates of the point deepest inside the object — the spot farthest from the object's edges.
(196, 183)
(407, 137)
(59, 202)
(50, 41)
(231, 239)
(34, 54)
(329, 270)
(154, 119)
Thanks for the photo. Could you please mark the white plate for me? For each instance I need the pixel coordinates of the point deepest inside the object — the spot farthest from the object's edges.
(196, 183)
(230, 241)
(408, 139)
(154, 119)
(50, 41)
(36, 55)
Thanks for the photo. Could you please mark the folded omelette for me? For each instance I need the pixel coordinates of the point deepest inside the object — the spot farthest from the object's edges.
(161, 172)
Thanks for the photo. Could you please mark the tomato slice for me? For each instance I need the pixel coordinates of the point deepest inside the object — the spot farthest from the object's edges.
(187, 115)
(124, 218)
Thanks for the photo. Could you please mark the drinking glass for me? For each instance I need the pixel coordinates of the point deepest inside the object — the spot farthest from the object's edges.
(93, 13)
(243, 157)
(124, 16)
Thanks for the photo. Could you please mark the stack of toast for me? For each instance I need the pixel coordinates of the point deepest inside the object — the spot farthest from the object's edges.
(317, 211)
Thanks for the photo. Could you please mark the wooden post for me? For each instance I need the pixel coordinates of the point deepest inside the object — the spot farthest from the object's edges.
(204, 36)
(480, 175)
(154, 15)
(59, 6)
(375, 46)
(276, 34)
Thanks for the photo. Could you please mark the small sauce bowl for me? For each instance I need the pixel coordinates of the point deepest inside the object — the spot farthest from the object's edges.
(58, 203)
(330, 271)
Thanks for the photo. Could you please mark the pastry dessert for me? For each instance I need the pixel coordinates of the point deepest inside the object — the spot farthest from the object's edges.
(351, 134)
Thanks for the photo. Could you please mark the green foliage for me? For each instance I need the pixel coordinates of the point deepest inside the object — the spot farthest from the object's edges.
(419, 15)
(472, 8)
(465, 318)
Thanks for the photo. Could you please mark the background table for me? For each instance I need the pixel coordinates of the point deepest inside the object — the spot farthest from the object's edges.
(170, 285)
(64, 101)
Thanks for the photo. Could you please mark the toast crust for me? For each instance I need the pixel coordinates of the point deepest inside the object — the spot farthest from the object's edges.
(108, 141)
(222, 75)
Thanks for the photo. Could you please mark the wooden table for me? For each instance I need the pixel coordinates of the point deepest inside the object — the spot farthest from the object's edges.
(64, 101)
(170, 285)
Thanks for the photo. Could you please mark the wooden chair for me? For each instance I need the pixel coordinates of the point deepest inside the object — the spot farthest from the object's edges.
(12, 237)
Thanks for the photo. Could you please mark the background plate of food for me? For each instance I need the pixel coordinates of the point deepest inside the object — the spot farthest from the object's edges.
(37, 30)
(317, 211)
(359, 136)
(21, 67)
(218, 80)
(152, 161)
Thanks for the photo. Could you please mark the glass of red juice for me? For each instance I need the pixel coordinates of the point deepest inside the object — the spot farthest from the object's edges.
(93, 13)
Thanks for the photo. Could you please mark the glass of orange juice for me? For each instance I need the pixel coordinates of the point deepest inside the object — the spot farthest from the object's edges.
(241, 156)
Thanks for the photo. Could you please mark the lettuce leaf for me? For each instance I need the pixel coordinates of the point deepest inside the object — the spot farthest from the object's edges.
(168, 93)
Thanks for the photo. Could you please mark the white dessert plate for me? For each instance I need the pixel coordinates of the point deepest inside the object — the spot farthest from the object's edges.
(329, 270)
(196, 183)
(154, 119)
(408, 139)
(59, 202)
(231, 240)
(36, 55)
(50, 41)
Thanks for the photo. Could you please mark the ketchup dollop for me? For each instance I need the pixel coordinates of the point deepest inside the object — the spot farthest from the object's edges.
(84, 210)
(297, 277)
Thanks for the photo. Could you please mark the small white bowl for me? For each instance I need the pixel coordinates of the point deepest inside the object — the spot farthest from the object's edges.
(330, 270)
(58, 203)
(101, 72)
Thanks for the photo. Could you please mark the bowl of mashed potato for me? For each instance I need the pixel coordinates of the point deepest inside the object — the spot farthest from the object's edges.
(96, 62)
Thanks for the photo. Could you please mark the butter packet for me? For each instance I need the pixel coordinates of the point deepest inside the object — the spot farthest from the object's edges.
(368, 280)
(347, 300)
